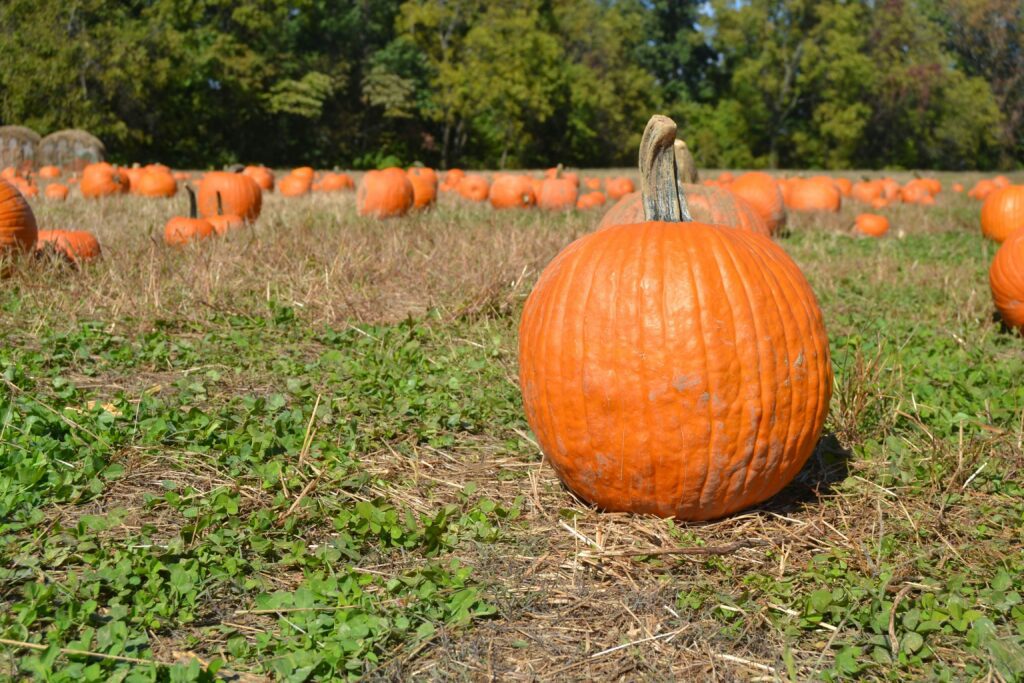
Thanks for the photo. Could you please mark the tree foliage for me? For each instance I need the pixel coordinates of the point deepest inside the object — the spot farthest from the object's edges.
(792, 83)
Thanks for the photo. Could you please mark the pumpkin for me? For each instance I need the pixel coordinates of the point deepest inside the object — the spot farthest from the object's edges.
(890, 188)
(675, 369)
(155, 181)
(474, 188)
(263, 176)
(336, 182)
(304, 172)
(56, 191)
(240, 195)
(25, 187)
(452, 179)
(511, 192)
(879, 203)
(1003, 212)
(866, 191)
(617, 188)
(557, 194)
(102, 180)
(982, 189)
(762, 193)
(294, 185)
(590, 200)
(814, 195)
(592, 183)
(49, 172)
(18, 228)
(1001, 181)
(871, 224)
(726, 177)
(958, 187)
(9, 173)
(75, 246)
(844, 185)
(385, 193)
(1006, 280)
(224, 223)
(424, 186)
(180, 230)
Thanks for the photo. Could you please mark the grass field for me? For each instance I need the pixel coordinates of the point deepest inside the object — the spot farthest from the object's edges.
(300, 454)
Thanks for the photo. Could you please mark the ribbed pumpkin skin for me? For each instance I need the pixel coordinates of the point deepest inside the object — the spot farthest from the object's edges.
(1006, 279)
(239, 194)
(1003, 212)
(18, 228)
(814, 195)
(872, 224)
(674, 369)
(707, 205)
(512, 192)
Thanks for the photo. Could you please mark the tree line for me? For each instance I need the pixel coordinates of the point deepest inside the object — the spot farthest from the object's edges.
(523, 83)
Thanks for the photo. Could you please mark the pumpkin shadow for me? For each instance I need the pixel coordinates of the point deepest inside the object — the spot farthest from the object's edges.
(828, 465)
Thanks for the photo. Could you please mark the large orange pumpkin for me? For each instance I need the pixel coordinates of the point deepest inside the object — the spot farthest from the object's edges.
(1006, 280)
(675, 369)
(1003, 212)
(18, 228)
(240, 195)
(155, 181)
(762, 193)
(511, 192)
(424, 186)
(76, 246)
(385, 193)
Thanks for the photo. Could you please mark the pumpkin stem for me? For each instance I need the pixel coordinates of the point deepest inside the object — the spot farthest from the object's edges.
(192, 209)
(220, 206)
(659, 186)
(686, 166)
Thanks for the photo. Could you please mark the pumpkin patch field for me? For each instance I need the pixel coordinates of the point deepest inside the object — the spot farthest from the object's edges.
(289, 425)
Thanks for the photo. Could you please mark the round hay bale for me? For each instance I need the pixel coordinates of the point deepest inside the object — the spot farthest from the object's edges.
(71, 149)
(18, 147)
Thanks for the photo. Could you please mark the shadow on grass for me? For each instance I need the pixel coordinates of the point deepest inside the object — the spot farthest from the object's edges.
(828, 465)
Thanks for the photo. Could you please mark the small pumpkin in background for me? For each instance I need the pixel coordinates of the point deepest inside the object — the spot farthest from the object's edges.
(336, 182)
(474, 187)
(240, 195)
(224, 223)
(511, 192)
(263, 176)
(871, 224)
(18, 230)
(304, 172)
(592, 183)
(293, 185)
(155, 181)
(617, 188)
(56, 192)
(74, 246)
(1006, 280)
(1003, 212)
(27, 188)
(452, 179)
(557, 194)
(816, 194)
(982, 189)
(102, 180)
(385, 194)
(763, 194)
(866, 191)
(958, 187)
(424, 186)
(700, 401)
(49, 172)
(590, 200)
(181, 230)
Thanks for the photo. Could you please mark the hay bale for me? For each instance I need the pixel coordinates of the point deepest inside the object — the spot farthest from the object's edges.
(71, 149)
(18, 147)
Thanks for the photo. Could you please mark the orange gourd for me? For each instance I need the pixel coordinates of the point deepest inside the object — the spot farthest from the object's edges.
(385, 194)
(590, 200)
(155, 181)
(474, 188)
(1003, 212)
(223, 223)
(424, 186)
(293, 185)
(263, 176)
(102, 180)
(56, 191)
(1006, 280)
(617, 188)
(557, 194)
(814, 195)
(675, 369)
